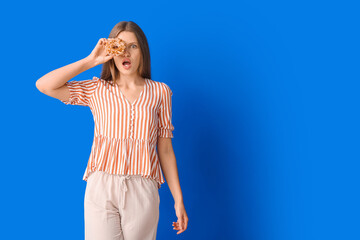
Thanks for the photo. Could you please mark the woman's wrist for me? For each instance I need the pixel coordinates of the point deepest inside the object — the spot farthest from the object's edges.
(90, 61)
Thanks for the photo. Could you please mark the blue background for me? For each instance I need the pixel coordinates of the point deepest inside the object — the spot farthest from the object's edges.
(265, 110)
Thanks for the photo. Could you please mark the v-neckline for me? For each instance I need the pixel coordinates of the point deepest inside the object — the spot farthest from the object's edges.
(137, 99)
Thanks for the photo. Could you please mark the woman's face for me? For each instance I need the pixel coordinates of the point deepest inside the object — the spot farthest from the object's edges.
(132, 53)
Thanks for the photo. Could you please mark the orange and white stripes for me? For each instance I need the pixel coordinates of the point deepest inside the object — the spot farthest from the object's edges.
(125, 133)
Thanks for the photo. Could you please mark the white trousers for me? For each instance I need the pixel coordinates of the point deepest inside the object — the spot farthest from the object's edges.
(120, 207)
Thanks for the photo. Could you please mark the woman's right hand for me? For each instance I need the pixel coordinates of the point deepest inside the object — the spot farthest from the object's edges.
(99, 54)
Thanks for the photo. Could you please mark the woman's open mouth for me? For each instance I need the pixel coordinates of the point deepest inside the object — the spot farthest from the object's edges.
(126, 64)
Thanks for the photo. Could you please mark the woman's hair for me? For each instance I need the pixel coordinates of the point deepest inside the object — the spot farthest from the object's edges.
(109, 70)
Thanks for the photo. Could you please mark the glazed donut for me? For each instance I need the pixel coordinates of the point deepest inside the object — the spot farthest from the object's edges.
(115, 46)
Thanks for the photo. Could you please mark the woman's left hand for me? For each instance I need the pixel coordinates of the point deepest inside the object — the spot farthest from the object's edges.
(183, 219)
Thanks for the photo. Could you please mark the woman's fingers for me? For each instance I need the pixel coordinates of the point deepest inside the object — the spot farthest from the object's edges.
(181, 224)
(176, 226)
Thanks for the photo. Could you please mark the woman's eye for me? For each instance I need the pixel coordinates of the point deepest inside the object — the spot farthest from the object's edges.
(133, 45)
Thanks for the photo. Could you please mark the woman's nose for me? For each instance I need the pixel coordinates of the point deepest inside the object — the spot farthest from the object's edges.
(126, 53)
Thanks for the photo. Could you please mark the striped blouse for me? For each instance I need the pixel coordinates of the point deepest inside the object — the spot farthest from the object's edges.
(125, 133)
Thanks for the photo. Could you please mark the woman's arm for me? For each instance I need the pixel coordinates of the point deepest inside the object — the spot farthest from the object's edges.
(58, 77)
(169, 168)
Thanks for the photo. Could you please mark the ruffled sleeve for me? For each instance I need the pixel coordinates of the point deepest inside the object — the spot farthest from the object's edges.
(81, 91)
(165, 113)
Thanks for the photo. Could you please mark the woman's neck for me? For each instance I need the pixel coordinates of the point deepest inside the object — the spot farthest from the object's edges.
(129, 81)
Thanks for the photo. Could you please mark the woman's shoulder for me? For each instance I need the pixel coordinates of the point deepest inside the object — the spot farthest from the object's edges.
(159, 84)
(99, 80)
(103, 82)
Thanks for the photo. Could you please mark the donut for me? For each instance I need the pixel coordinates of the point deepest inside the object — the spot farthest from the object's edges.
(115, 46)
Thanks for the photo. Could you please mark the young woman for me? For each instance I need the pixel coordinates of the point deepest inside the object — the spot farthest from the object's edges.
(132, 138)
